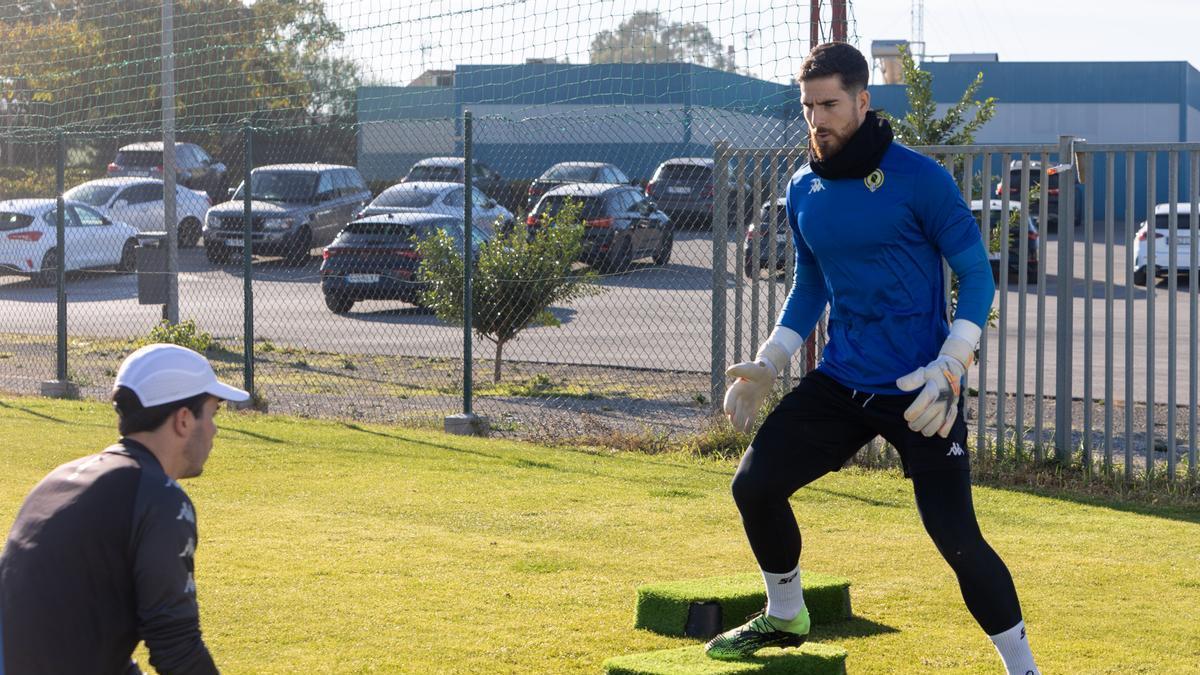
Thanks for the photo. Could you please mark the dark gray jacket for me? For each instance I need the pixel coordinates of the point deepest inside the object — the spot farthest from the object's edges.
(100, 558)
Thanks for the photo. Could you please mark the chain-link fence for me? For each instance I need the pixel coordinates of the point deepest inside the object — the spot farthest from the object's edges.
(310, 277)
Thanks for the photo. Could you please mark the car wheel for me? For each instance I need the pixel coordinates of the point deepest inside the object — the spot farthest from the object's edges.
(621, 260)
(1139, 277)
(189, 233)
(217, 254)
(128, 262)
(48, 274)
(663, 255)
(338, 304)
(298, 252)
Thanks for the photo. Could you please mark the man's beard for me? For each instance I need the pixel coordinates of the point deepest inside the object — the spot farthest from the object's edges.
(836, 141)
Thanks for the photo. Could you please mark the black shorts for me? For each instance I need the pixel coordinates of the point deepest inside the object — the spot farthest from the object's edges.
(826, 423)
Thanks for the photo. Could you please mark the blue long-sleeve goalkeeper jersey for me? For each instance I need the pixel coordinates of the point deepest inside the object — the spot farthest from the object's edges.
(871, 249)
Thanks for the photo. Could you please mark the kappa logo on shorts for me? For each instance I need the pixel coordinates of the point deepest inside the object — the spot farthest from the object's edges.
(956, 450)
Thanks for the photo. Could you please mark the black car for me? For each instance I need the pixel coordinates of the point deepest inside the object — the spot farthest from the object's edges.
(620, 224)
(450, 170)
(376, 258)
(1051, 190)
(1028, 234)
(770, 229)
(565, 173)
(294, 207)
(194, 168)
(685, 190)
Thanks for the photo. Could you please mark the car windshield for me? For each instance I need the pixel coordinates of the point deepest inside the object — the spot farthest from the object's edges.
(576, 174)
(403, 196)
(91, 194)
(271, 186)
(14, 221)
(1163, 221)
(593, 207)
(438, 173)
(688, 172)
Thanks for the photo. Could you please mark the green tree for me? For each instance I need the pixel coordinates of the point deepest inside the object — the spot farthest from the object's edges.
(645, 37)
(517, 278)
(922, 126)
(232, 58)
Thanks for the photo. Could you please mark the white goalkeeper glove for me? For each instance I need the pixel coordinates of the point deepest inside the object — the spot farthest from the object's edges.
(936, 408)
(753, 379)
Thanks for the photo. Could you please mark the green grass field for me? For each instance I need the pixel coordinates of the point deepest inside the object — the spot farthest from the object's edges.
(329, 547)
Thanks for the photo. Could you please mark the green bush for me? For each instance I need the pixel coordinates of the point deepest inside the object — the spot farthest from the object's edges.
(517, 277)
(184, 334)
(19, 182)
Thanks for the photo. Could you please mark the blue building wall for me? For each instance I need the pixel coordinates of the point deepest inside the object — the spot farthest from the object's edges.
(1118, 102)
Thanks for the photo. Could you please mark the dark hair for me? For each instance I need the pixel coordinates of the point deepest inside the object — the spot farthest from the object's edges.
(132, 417)
(836, 58)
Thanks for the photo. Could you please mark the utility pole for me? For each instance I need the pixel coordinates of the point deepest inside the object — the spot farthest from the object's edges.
(814, 24)
(839, 22)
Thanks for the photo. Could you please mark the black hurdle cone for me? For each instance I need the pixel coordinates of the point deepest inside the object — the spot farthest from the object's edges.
(704, 620)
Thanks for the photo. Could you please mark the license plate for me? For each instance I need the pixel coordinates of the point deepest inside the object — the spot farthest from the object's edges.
(362, 278)
(236, 243)
(679, 190)
(780, 238)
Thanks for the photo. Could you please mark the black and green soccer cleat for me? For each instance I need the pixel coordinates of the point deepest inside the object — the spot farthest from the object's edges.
(759, 632)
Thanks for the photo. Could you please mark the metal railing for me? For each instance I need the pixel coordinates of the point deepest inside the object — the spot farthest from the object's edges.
(1084, 278)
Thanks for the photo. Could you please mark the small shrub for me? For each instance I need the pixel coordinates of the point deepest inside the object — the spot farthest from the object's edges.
(184, 334)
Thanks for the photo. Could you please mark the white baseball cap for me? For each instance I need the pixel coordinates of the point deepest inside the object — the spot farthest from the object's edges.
(164, 373)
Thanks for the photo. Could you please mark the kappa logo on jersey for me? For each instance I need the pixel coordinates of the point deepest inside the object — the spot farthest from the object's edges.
(186, 513)
(956, 450)
(788, 580)
(874, 180)
(815, 186)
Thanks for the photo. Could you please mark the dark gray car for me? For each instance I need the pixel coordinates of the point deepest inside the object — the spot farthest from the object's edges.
(769, 230)
(685, 190)
(294, 207)
(194, 168)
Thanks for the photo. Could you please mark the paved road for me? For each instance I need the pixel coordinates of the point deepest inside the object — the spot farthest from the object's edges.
(649, 317)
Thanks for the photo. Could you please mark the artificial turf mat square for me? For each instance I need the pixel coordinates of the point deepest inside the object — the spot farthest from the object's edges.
(807, 659)
(663, 607)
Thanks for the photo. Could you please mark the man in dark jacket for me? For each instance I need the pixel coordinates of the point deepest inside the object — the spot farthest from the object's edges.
(101, 554)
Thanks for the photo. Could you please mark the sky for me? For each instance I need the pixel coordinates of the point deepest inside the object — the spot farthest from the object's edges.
(395, 41)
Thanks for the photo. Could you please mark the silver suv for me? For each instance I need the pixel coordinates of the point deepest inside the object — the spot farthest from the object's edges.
(293, 208)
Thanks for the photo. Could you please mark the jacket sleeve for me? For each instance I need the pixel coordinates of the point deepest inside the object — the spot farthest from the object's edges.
(948, 223)
(168, 615)
(808, 296)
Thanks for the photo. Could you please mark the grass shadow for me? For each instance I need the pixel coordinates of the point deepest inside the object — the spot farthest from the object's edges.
(854, 627)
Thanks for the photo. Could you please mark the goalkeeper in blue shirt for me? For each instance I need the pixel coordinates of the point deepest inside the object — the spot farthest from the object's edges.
(871, 221)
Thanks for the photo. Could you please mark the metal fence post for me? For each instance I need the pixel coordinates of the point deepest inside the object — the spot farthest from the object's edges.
(1063, 342)
(719, 243)
(467, 422)
(247, 263)
(467, 220)
(171, 311)
(60, 274)
(60, 386)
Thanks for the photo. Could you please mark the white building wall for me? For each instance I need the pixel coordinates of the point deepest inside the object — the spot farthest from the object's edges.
(1097, 122)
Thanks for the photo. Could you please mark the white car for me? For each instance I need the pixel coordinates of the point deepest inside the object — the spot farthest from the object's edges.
(29, 245)
(139, 202)
(1162, 243)
(441, 198)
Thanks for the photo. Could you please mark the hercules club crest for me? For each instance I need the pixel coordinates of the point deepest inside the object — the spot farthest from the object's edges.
(874, 181)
